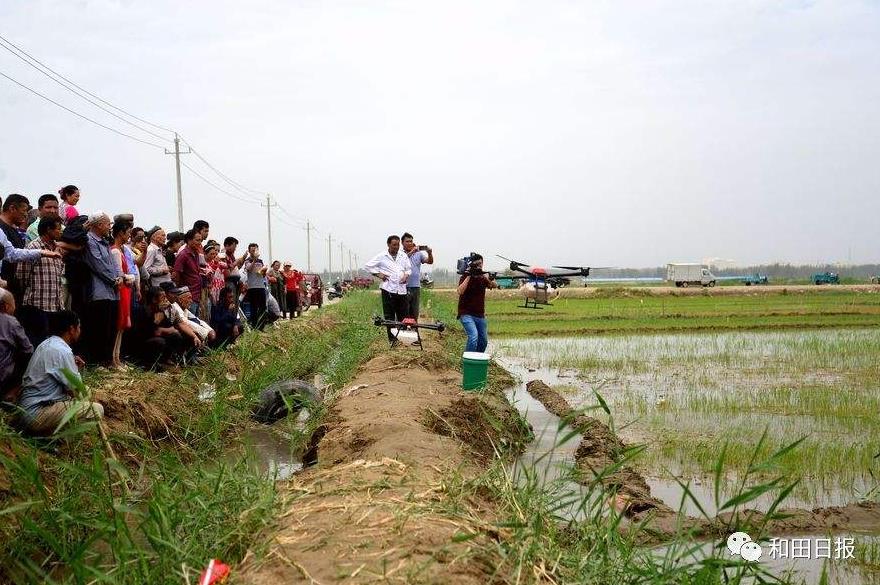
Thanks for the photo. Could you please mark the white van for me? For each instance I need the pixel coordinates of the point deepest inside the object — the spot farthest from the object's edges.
(686, 274)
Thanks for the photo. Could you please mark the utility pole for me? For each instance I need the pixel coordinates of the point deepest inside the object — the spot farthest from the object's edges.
(350, 266)
(341, 262)
(269, 205)
(176, 152)
(329, 256)
(308, 245)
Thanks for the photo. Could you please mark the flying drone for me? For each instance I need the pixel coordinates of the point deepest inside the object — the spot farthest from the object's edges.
(538, 282)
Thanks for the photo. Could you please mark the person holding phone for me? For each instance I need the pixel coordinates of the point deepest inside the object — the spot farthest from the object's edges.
(418, 255)
(256, 295)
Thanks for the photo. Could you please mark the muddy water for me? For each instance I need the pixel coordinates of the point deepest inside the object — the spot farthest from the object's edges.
(549, 457)
(273, 450)
(552, 453)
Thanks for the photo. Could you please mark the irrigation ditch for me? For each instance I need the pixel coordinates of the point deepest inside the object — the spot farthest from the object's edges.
(187, 483)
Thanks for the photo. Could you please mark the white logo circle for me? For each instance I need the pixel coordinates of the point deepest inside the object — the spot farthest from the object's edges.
(735, 542)
(751, 551)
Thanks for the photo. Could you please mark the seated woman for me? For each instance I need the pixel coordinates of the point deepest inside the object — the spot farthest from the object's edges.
(47, 394)
(224, 318)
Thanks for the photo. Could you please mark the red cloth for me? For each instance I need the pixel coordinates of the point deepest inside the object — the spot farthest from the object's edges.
(217, 572)
(292, 280)
(123, 320)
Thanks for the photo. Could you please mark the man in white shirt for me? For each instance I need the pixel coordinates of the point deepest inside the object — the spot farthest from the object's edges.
(393, 269)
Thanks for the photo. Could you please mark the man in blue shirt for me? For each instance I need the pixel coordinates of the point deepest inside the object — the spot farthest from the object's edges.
(414, 283)
(102, 306)
(47, 396)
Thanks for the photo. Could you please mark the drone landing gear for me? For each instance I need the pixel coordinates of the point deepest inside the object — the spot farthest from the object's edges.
(410, 324)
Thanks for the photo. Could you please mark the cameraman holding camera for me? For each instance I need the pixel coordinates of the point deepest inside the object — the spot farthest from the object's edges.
(472, 303)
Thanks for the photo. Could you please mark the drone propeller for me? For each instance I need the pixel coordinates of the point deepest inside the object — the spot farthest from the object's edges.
(583, 267)
(512, 262)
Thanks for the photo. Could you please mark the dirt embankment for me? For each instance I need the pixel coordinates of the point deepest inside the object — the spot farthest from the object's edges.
(386, 500)
(600, 457)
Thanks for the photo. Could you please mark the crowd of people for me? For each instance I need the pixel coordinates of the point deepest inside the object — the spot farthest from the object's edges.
(79, 289)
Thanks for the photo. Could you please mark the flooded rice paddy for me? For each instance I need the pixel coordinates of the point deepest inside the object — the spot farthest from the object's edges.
(686, 396)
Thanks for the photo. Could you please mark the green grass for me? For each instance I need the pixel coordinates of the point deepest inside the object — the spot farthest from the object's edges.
(66, 517)
(650, 314)
(542, 544)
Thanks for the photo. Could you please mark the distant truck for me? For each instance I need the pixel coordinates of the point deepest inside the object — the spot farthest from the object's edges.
(751, 279)
(825, 278)
(684, 275)
(506, 282)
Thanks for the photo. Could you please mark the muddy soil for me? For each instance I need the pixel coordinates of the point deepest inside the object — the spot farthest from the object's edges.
(600, 458)
(384, 501)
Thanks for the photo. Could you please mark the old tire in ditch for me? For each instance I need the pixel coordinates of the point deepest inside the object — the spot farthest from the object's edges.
(283, 398)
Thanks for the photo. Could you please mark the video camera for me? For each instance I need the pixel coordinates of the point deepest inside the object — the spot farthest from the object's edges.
(466, 266)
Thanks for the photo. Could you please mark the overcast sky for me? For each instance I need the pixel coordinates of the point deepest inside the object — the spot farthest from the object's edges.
(596, 133)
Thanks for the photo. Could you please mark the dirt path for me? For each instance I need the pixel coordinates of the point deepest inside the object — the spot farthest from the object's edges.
(385, 500)
(601, 450)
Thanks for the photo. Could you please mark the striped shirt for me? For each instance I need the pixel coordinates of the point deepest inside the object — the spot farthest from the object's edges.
(41, 281)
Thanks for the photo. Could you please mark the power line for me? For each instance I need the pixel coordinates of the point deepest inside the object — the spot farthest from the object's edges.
(284, 221)
(69, 85)
(76, 93)
(84, 117)
(236, 185)
(35, 60)
(208, 181)
(297, 218)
